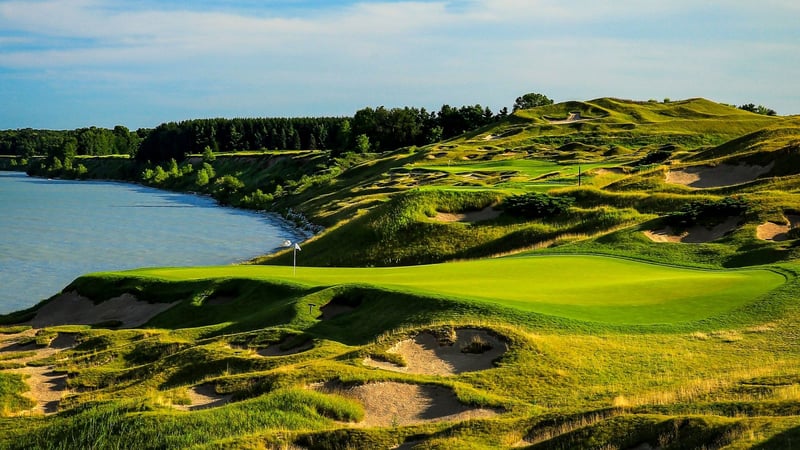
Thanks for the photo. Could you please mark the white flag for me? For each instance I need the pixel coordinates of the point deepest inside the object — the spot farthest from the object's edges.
(296, 246)
(287, 243)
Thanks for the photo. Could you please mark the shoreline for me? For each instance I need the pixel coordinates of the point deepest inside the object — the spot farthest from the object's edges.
(272, 223)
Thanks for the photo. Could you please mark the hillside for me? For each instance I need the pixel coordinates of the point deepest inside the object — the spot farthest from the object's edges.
(600, 274)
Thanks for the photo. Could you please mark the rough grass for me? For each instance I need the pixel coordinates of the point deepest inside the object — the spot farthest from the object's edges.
(12, 400)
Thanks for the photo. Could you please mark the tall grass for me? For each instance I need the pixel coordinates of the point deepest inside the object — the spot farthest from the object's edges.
(129, 424)
(12, 400)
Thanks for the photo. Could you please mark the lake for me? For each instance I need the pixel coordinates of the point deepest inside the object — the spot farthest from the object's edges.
(52, 231)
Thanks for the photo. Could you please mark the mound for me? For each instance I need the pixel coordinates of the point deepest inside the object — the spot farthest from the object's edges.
(696, 234)
(487, 213)
(721, 175)
(770, 231)
(391, 404)
(276, 350)
(74, 309)
(472, 350)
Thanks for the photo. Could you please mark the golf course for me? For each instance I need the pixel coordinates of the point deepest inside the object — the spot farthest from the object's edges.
(605, 274)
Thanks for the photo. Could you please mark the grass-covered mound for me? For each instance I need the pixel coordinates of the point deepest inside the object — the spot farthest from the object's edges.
(586, 288)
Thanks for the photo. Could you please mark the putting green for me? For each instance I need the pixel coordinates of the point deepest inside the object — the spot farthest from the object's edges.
(591, 288)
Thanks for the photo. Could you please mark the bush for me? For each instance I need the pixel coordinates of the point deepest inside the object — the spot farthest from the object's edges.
(534, 205)
(227, 188)
(705, 211)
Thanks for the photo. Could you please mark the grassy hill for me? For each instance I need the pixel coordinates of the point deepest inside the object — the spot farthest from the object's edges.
(601, 274)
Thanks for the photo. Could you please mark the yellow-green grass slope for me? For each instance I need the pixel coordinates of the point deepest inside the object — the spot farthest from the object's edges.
(590, 343)
(384, 210)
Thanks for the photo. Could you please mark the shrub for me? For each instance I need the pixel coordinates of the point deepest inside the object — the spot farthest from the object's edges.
(226, 189)
(534, 205)
(704, 211)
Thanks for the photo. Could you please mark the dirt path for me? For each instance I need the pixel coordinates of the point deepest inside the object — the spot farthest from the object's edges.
(46, 386)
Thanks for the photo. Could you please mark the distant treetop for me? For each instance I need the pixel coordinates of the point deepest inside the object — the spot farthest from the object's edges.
(760, 109)
(532, 100)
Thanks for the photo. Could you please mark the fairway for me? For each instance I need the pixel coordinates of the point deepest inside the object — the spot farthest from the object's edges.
(531, 168)
(589, 288)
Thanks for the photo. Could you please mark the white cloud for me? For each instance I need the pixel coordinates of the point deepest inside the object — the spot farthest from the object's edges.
(422, 53)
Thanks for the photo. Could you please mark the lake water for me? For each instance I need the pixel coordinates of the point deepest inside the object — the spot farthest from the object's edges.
(52, 231)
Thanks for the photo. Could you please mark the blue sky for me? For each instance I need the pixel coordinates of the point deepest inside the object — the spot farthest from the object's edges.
(73, 63)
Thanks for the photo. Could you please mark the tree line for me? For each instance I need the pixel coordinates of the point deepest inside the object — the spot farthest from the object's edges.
(368, 130)
(92, 141)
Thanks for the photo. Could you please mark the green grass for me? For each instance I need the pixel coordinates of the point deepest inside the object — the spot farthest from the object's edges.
(587, 288)
(528, 167)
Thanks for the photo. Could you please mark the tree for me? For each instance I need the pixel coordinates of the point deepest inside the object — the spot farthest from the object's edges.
(125, 142)
(208, 155)
(362, 143)
(227, 188)
(760, 109)
(202, 178)
(532, 100)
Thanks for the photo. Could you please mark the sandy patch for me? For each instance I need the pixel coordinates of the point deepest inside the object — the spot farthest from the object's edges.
(73, 309)
(696, 234)
(487, 213)
(46, 386)
(721, 175)
(203, 397)
(770, 231)
(610, 171)
(573, 117)
(389, 403)
(424, 354)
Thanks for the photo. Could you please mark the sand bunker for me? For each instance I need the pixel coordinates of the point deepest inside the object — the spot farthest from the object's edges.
(389, 404)
(46, 386)
(487, 213)
(425, 355)
(770, 231)
(610, 171)
(696, 234)
(204, 397)
(73, 309)
(721, 175)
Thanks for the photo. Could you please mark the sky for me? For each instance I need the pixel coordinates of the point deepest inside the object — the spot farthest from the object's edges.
(68, 64)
